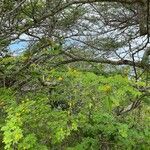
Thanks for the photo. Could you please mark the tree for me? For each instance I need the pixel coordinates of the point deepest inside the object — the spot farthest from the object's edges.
(82, 81)
(107, 32)
(39, 19)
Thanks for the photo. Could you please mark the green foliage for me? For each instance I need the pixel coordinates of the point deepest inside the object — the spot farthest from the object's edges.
(78, 106)
(81, 104)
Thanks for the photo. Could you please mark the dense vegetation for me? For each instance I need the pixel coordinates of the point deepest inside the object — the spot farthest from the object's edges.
(71, 108)
(82, 82)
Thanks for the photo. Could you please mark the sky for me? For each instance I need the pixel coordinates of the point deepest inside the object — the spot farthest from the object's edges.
(19, 45)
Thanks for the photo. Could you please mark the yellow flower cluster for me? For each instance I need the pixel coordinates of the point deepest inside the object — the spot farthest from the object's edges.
(107, 88)
(60, 78)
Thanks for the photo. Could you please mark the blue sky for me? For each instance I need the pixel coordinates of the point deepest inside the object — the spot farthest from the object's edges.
(18, 46)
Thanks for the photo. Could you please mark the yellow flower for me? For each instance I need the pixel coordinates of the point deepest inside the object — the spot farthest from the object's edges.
(70, 104)
(18, 136)
(75, 71)
(107, 88)
(90, 105)
(60, 78)
(69, 113)
(17, 114)
(48, 79)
